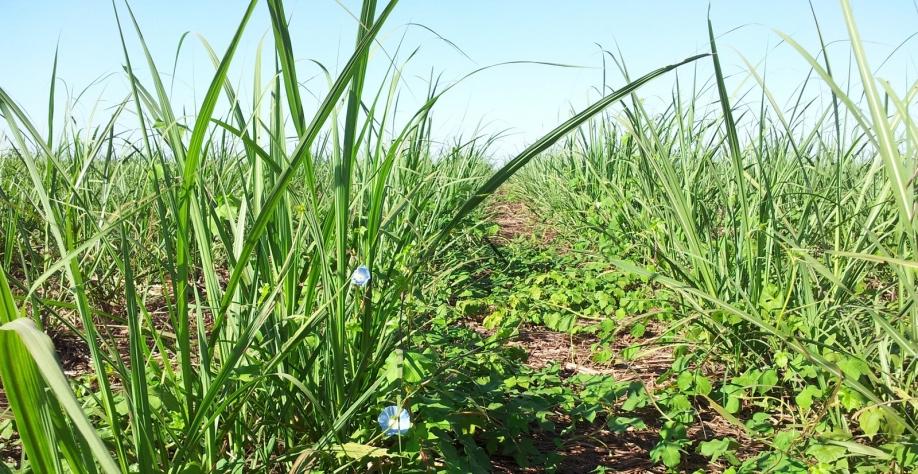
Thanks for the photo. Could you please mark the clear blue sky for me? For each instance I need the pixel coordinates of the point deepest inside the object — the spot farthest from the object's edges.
(526, 100)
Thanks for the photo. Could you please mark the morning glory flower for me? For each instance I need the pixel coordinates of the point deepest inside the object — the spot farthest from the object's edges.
(394, 421)
(361, 276)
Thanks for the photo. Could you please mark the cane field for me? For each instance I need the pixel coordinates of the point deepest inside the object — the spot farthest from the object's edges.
(296, 277)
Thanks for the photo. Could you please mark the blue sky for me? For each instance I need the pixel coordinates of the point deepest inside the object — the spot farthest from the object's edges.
(524, 100)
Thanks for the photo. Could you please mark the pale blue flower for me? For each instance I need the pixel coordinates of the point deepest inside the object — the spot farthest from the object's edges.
(361, 276)
(394, 421)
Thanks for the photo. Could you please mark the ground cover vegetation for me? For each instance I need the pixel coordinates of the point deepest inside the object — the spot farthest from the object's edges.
(719, 286)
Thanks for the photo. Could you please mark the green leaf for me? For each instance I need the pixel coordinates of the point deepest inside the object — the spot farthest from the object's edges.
(826, 453)
(861, 450)
(666, 452)
(410, 367)
(870, 420)
(733, 404)
(784, 440)
(638, 330)
(716, 448)
(850, 399)
(804, 399)
(767, 381)
(637, 397)
(853, 367)
(702, 385)
(620, 424)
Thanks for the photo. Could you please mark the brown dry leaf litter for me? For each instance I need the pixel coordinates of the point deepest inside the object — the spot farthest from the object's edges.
(514, 219)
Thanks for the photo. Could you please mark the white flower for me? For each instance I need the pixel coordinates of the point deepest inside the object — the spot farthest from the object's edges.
(394, 421)
(361, 276)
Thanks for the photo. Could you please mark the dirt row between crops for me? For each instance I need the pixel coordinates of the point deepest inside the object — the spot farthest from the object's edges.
(595, 446)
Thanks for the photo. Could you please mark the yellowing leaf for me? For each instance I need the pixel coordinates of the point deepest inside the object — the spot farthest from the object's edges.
(360, 451)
